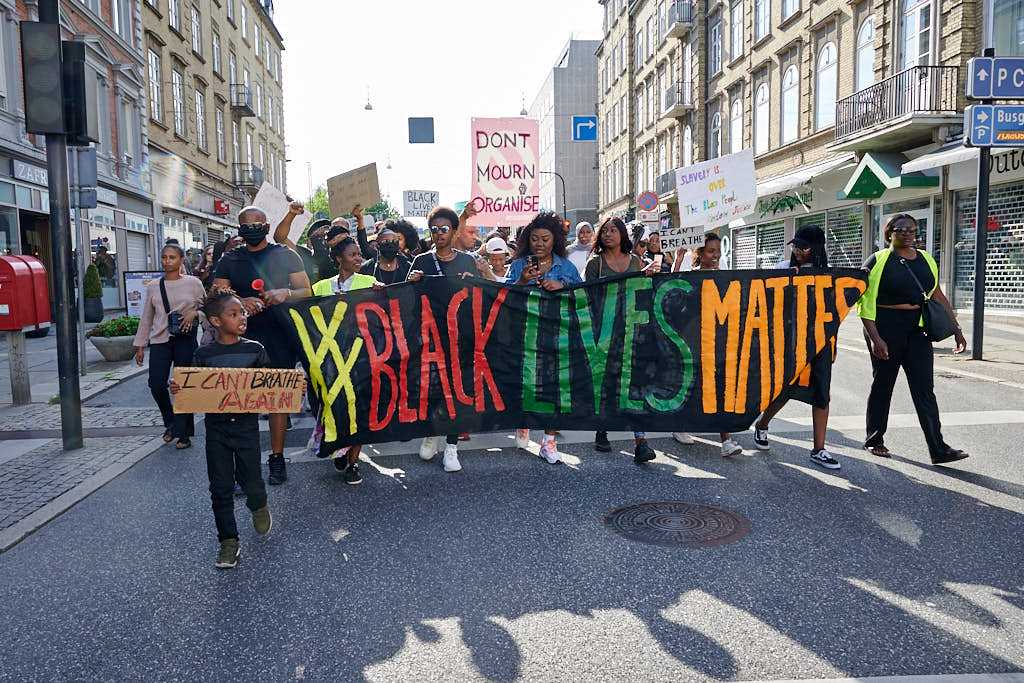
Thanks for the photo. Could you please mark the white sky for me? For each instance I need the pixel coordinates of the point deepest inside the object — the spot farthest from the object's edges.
(449, 59)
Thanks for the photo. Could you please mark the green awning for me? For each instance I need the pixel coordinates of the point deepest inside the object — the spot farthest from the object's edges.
(881, 171)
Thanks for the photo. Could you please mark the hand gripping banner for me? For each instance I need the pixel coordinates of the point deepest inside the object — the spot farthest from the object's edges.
(699, 352)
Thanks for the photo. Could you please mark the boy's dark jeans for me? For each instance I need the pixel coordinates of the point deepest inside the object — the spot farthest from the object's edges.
(233, 453)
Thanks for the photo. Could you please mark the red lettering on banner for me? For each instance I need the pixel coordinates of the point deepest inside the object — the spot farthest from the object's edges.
(406, 413)
(481, 335)
(378, 364)
(453, 346)
(433, 352)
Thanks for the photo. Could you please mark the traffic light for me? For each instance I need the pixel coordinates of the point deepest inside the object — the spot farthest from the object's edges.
(43, 78)
(79, 99)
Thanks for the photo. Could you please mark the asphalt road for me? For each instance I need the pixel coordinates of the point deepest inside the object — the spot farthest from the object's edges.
(506, 570)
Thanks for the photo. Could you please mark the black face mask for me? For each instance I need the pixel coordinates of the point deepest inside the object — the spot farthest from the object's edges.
(253, 233)
(388, 250)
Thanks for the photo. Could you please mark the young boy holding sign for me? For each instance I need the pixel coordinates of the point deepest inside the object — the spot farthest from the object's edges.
(232, 439)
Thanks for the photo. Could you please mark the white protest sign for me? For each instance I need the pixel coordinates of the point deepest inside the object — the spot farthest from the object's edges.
(506, 187)
(418, 203)
(713, 193)
(673, 239)
(273, 203)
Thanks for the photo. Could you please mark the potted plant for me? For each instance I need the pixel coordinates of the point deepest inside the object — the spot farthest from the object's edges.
(114, 338)
(93, 295)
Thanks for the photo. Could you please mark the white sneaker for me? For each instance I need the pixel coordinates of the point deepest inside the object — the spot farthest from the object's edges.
(428, 449)
(523, 439)
(730, 448)
(549, 451)
(683, 438)
(451, 458)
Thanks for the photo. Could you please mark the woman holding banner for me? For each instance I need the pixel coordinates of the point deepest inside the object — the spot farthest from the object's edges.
(613, 255)
(540, 260)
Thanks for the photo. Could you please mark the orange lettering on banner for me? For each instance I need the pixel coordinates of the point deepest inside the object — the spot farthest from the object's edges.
(843, 284)
(778, 286)
(801, 283)
(822, 316)
(756, 321)
(715, 311)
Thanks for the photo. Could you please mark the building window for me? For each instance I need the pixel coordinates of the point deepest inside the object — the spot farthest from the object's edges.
(916, 33)
(715, 46)
(715, 137)
(232, 68)
(1008, 27)
(248, 147)
(231, 10)
(662, 157)
(174, 14)
(736, 126)
(651, 38)
(790, 105)
(178, 98)
(236, 150)
(266, 54)
(736, 28)
(256, 38)
(638, 51)
(122, 11)
(622, 54)
(263, 156)
(244, 19)
(216, 53)
(762, 18)
(197, 32)
(640, 172)
(259, 100)
(201, 120)
(662, 21)
(789, 8)
(687, 146)
(270, 111)
(866, 54)
(156, 87)
(762, 119)
(129, 133)
(639, 110)
(825, 90)
(221, 142)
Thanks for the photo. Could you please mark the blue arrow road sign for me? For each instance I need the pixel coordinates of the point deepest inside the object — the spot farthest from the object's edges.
(584, 128)
(994, 125)
(978, 125)
(997, 78)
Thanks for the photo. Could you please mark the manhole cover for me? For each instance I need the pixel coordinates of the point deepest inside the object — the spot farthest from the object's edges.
(674, 523)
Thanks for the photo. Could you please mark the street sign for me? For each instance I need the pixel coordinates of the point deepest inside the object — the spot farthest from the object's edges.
(650, 217)
(584, 128)
(647, 201)
(994, 125)
(995, 78)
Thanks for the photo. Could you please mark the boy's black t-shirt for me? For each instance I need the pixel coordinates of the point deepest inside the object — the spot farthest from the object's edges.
(245, 354)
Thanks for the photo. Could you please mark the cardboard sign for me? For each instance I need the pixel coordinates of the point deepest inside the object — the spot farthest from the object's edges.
(506, 186)
(238, 390)
(673, 239)
(713, 193)
(135, 283)
(418, 203)
(358, 186)
(274, 203)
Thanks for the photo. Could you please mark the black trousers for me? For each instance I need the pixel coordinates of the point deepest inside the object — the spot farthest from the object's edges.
(233, 454)
(910, 349)
(179, 351)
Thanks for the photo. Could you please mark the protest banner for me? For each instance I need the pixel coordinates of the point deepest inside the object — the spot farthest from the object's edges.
(358, 186)
(135, 283)
(418, 203)
(713, 193)
(673, 239)
(238, 390)
(699, 351)
(505, 187)
(274, 203)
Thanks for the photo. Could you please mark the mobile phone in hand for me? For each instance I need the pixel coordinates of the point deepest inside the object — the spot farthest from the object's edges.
(533, 261)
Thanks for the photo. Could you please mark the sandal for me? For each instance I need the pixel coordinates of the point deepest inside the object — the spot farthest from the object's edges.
(168, 437)
(879, 450)
(183, 444)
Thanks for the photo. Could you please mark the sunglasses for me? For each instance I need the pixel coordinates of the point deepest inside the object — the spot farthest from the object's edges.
(905, 229)
(440, 229)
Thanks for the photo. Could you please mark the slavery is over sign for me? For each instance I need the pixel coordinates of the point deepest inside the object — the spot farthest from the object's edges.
(686, 351)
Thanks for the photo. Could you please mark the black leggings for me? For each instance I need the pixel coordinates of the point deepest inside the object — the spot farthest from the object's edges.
(179, 351)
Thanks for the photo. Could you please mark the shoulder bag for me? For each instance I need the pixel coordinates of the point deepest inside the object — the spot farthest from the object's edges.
(938, 324)
(174, 318)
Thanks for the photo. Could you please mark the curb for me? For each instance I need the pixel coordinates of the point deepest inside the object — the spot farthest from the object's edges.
(135, 373)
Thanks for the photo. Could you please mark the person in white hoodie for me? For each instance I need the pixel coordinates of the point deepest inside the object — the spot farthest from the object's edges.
(579, 251)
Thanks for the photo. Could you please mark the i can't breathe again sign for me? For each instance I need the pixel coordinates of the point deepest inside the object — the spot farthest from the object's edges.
(506, 189)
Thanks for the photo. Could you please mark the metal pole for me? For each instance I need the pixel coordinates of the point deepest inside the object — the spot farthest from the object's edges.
(64, 291)
(83, 248)
(981, 244)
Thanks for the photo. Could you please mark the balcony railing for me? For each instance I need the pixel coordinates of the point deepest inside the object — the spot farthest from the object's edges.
(248, 176)
(241, 100)
(680, 18)
(917, 90)
(678, 99)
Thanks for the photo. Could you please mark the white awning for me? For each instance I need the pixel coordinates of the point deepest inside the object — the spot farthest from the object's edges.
(804, 175)
(948, 155)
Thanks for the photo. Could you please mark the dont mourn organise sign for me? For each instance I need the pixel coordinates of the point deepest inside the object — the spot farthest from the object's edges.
(506, 187)
(685, 351)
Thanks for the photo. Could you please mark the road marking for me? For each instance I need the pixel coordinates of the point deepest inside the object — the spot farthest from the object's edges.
(955, 371)
(898, 420)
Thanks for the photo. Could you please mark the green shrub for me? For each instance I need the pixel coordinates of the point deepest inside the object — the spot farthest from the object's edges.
(125, 326)
(93, 289)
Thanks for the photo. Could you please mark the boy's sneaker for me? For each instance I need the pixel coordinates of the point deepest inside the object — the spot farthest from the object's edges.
(643, 452)
(825, 459)
(601, 443)
(262, 521)
(523, 439)
(549, 451)
(278, 470)
(227, 556)
(428, 449)
(451, 458)
(351, 474)
(683, 438)
(730, 448)
(761, 442)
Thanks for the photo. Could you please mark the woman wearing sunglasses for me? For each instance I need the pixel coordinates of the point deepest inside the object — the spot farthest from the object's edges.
(901, 278)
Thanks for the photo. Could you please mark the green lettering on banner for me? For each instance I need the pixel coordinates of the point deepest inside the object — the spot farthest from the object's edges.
(666, 405)
(633, 317)
(564, 384)
(530, 401)
(597, 351)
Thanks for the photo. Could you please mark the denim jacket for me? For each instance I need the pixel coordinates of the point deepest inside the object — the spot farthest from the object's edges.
(561, 269)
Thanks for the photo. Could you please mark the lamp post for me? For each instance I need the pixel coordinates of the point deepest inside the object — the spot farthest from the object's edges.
(565, 204)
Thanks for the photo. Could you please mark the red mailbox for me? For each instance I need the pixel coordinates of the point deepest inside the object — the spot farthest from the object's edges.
(24, 294)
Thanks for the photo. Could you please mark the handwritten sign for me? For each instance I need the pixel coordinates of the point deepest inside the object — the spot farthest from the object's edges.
(358, 186)
(506, 187)
(715, 192)
(673, 239)
(238, 390)
(274, 203)
(418, 203)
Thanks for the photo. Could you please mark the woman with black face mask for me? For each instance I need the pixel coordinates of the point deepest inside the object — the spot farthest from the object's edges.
(390, 265)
